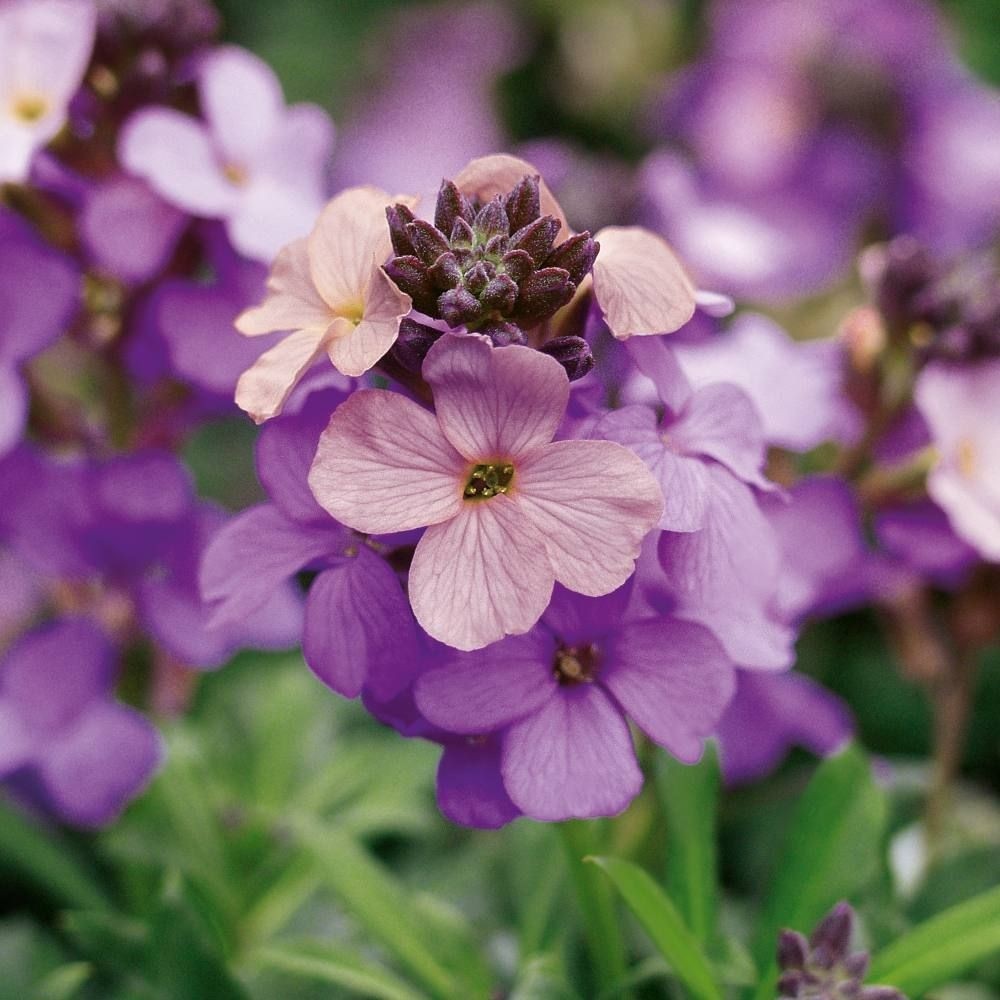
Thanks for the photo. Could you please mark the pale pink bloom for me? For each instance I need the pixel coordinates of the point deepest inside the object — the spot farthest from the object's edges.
(45, 46)
(509, 511)
(961, 405)
(639, 284)
(331, 292)
(254, 162)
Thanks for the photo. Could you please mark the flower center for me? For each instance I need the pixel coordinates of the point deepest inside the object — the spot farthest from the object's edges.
(576, 664)
(487, 480)
(29, 108)
(235, 174)
(966, 458)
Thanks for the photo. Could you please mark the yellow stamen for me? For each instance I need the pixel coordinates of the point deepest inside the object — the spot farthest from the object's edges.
(235, 174)
(29, 108)
(966, 458)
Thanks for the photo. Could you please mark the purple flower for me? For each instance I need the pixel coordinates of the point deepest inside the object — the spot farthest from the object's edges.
(558, 698)
(67, 745)
(39, 293)
(253, 162)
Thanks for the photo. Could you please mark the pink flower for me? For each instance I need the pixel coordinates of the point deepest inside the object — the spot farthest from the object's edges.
(254, 162)
(509, 511)
(45, 46)
(959, 404)
(331, 291)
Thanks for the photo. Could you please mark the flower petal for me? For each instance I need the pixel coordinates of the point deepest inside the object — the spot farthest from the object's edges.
(299, 152)
(265, 385)
(174, 154)
(358, 622)
(383, 465)
(292, 301)
(479, 576)
(573, 758)
(469, 788)
(13, 408)
(268, 214)
(639, 284)
(485, 690)
(674, 680)
(362, 347)
(498, 174)
(495, 402)
(593, 503)
(17, 745)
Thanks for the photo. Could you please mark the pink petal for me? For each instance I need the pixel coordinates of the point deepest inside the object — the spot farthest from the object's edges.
(292, 301)
(264, 387)
(174, 154)
(658, 362)
(495, 402)
(573, 758)
(351, 236)
(479, 576)
(383, 465)
(498, 174)
(485, 690)
(362, 346)
(673, 679)
(299, 152)
(268, 214)
(17, 147)
(242, 101)
(593, 502)
(639, 284)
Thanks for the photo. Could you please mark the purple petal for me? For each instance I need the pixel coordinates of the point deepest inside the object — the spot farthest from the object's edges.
(572, 758)
(13, 408)
(576, 620)
(17, 743)
(469, 788)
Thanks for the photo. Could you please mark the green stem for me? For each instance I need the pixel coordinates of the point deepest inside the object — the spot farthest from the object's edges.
(595, 894)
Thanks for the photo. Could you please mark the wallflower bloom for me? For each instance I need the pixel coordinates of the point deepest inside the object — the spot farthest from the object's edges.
(254, 162)
(44, 49)
(958, 403)
(331, 291)
(509, 510)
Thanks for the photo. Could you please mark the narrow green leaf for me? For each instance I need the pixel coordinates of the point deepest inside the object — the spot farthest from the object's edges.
(542, 978)
(689, 797)
(337, 966)
(65, 982)
(664, 924)
(832, 848)
(942, 947)
(42, 857)
(108, 939)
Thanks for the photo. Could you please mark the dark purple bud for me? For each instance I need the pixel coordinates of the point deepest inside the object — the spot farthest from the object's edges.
(793, 950)
(428, 243)
(576, 255)
(791, 984)
(413, 343)
(543, 293)
(518, 264)
(462, 234)
(399, 217)
(411, 276)
(503, 334)
(500, 294)
(574, 354)
(477, 278)
(833, 935)
(445, 272)
(491, 220)
(881, 993)
(536, 238)
(458, 307)
(523, 204)
(856, 965)
(451, 205)
(496, 246)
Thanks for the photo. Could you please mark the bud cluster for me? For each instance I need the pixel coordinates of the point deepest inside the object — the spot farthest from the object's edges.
(493, 268)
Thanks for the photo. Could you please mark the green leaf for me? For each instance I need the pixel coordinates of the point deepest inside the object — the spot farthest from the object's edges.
(542, 978)
(27, 954)
(664, 924)
(832, 848)
(942, 947)
(337, 966)
(689, 797)
(445, 960)
(109, 940)
(65, 982)
(43, 858)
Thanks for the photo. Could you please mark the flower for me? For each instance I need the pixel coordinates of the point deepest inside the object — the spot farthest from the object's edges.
(958, 402)
(331, 291)
(45, 46)
(255, 163)
(509, 511)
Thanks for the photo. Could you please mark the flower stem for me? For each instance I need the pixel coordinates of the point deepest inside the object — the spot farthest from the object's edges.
(597, 902)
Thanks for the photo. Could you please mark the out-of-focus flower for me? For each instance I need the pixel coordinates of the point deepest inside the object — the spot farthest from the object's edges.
(332, 292)
(513, 510)
(254, 162)
(44, 49)
(65, 743)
